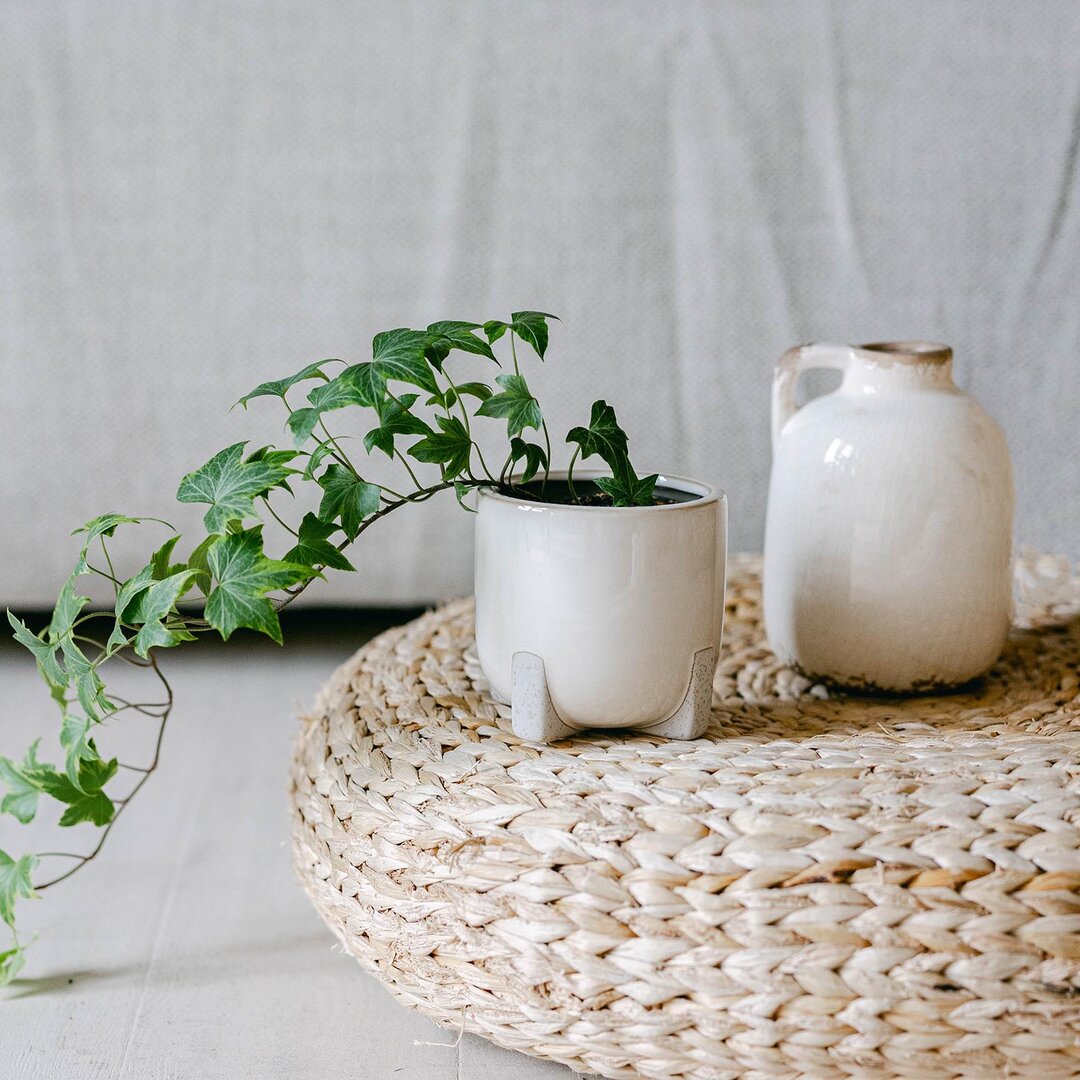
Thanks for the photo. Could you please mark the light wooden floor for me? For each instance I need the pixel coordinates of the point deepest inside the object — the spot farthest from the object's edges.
(187, 950)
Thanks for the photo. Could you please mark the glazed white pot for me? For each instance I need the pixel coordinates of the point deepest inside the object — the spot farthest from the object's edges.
(889, 531)
(601, 617)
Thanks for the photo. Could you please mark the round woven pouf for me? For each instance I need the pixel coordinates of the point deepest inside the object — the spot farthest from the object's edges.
(822, 886)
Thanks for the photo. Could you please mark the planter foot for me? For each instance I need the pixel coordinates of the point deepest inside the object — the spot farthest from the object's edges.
(533, 716)
(693, 715)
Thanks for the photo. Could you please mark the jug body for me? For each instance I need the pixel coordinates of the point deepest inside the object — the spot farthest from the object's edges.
(888, 548)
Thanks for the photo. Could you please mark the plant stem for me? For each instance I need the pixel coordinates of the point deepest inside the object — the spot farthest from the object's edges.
(408, 468)
(570, 476)
(289, 528)
(513, 353)
(109, 563)
(342, 457)
(82, 860)
(547, 467)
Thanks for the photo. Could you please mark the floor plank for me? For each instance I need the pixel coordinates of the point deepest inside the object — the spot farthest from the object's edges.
(187, 950)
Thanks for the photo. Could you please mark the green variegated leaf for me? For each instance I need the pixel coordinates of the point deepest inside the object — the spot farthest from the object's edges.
(89, 688)
(534, 456)
(278, 387)
(105, 525)
(313, 547)
(448, 335)
(480, 391)
(394, 419)
(45, 653)
(461, 489)
(230, 485)
(15, 883)
(86, 801)
(360, 384)
(161, 626)
(316, 457)
(160, 564)
(603, 436)
(515, 404)
(532, 328)
(243, 576)
(494, 329)
(22, 785)
(347, 498)
(129, 596)
(199, 561)
(451, 447)
(401, 355)
(302, 423)
(628, 489)
(12, 962)
(66, 611)
(76, 743)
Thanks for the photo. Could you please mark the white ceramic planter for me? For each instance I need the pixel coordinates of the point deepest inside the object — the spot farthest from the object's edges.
(889, 533)
(601, 617)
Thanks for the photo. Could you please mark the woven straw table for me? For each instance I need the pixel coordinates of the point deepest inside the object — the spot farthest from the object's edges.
(822, 886)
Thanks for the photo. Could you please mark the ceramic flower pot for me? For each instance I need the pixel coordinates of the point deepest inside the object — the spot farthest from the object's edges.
(888, 540)
(602, 617)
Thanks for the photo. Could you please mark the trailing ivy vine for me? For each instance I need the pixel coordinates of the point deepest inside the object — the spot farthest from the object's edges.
(420, 416)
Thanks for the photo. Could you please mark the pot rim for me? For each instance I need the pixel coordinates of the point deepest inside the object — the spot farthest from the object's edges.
(706, 495)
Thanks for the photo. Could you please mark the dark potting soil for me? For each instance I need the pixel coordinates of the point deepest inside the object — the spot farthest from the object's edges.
(588, 494)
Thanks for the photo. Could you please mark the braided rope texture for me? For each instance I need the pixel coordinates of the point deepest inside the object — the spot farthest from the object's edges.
(822, 886)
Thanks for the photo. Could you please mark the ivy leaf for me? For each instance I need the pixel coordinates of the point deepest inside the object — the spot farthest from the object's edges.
(68, 606)
(603, 436)
(155, 607)
(451, 448)
(315, 458)
(535, 458)
(494, 329)
(401, 354)
(199, 562)
(480, 391)
(14, 883)
(395, 419)
(347, 498)
(302, 423)
(230, 485)
(105, 525)
(88, 685)
(243, 576)
(314, 549)
(461, 489)
(515, 404)
(532, 328)
(272, 456)
(628, 489)
(449, 335)
(11, 963)
(160, 565)
(448, 398)
(360, 384)
(86, 801)
(45, 653)
(22, 785)
(76, 743)
(278, 387)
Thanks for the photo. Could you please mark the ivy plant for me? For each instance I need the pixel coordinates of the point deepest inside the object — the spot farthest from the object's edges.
(412, 404)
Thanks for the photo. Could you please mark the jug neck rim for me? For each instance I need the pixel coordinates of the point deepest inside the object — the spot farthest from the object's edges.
(888, 353)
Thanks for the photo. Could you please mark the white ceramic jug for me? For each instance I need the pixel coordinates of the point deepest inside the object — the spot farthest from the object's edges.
(888, 542)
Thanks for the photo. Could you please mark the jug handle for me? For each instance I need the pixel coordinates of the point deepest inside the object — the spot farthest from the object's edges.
(788, 369)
